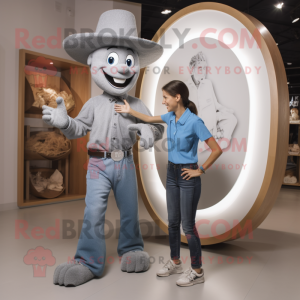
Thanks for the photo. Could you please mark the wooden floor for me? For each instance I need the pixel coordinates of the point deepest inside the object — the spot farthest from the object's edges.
(263, 268)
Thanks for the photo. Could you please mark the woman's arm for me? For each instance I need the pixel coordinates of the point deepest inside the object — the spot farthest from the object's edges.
(145, 118)
(127, 109)
(216, 151)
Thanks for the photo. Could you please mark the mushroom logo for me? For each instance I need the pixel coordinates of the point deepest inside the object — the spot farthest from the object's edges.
(39, 258)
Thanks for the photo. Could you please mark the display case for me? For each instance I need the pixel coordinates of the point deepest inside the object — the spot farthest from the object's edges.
(292, 173)
(40, 72)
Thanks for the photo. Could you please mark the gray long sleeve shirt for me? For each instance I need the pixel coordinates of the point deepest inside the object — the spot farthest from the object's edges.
(108, 129)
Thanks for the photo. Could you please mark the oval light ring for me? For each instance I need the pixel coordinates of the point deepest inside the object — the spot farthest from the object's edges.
(255, 190)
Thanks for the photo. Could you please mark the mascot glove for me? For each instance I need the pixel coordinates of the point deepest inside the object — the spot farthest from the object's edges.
(57, 117)
(145, 132)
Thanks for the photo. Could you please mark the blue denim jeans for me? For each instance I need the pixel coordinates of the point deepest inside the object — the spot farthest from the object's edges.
(182, 199)
(104, 174)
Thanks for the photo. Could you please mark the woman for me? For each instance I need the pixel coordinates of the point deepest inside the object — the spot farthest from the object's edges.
(183, 183)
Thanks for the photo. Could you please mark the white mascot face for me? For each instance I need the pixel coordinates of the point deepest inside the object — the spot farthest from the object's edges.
(114, 69)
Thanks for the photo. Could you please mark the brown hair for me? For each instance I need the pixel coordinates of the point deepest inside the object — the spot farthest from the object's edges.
(175, 87)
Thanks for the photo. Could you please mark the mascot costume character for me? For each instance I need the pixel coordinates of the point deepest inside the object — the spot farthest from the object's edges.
(115, 55)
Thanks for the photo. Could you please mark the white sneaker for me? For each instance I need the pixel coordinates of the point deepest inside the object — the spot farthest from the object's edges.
(170, 268)
(190, 277)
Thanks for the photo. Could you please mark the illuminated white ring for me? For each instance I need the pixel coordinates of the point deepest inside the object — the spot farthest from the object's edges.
(253, 194)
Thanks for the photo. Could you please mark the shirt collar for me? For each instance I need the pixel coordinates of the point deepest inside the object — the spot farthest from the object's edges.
(123, 96)
(183, 117)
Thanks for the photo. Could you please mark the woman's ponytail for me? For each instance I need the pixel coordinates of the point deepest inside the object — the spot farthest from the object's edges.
(191, 106)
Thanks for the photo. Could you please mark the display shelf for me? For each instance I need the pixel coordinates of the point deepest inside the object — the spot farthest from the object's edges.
(296, 158)
(54, 82)
(60, 162)
(34, 201)
(75, 77)
(293, 184)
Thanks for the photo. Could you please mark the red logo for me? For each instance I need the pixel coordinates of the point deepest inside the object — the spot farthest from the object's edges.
(39, 258)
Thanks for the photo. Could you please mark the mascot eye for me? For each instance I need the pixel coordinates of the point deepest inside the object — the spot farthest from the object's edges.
(113, 58)
(129, 60)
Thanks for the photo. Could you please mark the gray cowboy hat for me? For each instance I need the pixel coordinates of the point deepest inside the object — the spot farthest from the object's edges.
(115, 27)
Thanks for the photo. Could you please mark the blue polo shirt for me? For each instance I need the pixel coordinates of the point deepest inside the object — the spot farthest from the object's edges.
(183, 136)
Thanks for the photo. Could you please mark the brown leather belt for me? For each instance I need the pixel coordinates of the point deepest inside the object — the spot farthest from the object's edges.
(116, 155)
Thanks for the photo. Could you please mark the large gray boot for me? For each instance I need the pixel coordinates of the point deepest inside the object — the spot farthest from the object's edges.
(135, 261)
(72, 274)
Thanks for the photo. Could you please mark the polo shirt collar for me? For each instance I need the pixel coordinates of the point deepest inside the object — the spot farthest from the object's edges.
(183, 117)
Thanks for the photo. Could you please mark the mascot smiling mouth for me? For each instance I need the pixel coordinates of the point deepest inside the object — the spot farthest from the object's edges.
(116, 82)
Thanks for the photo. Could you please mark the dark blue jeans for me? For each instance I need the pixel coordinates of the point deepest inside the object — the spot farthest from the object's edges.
(182, 199)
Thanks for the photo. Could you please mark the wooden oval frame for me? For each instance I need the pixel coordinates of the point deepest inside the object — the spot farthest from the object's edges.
(279, 96)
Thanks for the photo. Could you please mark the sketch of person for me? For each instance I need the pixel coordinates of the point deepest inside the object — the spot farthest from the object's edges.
(218, 119)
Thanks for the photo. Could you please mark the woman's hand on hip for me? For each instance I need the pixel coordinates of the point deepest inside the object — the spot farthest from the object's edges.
(189, 173)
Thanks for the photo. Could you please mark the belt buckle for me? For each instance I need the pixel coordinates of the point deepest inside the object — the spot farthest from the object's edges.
(117, 155)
